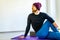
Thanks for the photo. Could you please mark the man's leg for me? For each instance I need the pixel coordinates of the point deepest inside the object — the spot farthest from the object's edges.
(54, 29)
(43, 32)
(54, 35)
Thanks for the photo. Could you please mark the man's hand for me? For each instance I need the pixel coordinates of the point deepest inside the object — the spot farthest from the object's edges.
(22, 37)
(55, 24)
(58, 28)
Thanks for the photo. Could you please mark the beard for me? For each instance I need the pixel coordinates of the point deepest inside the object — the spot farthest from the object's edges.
(34, 11)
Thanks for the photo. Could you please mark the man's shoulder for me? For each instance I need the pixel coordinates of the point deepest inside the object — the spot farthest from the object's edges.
(30, 14)
(42, 12)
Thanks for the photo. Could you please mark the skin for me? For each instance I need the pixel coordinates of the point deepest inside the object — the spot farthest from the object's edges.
(36, 12)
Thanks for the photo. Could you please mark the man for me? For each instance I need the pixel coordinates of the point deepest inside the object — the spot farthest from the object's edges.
(37, 18)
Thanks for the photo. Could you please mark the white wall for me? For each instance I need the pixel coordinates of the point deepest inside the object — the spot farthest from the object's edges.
(58, 12)
(13, 14)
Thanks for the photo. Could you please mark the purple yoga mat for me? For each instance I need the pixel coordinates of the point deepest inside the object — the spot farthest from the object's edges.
(28, 38)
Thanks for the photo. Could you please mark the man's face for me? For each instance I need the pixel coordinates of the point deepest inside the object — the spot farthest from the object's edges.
(34, 9)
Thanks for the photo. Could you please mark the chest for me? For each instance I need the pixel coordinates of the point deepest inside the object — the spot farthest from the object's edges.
(37, 18)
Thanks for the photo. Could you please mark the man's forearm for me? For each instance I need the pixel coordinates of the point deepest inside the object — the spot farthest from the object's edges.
(54, 23)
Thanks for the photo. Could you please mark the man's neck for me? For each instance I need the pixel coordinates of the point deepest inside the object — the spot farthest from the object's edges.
(37, 13)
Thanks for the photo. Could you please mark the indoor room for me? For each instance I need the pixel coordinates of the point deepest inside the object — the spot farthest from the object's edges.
(14, 15)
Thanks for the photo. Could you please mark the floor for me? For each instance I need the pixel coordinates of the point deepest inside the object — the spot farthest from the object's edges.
(9, 35)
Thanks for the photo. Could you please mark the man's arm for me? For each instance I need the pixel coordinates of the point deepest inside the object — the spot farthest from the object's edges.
(51, 20)
(28, 26)
(54, 23)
